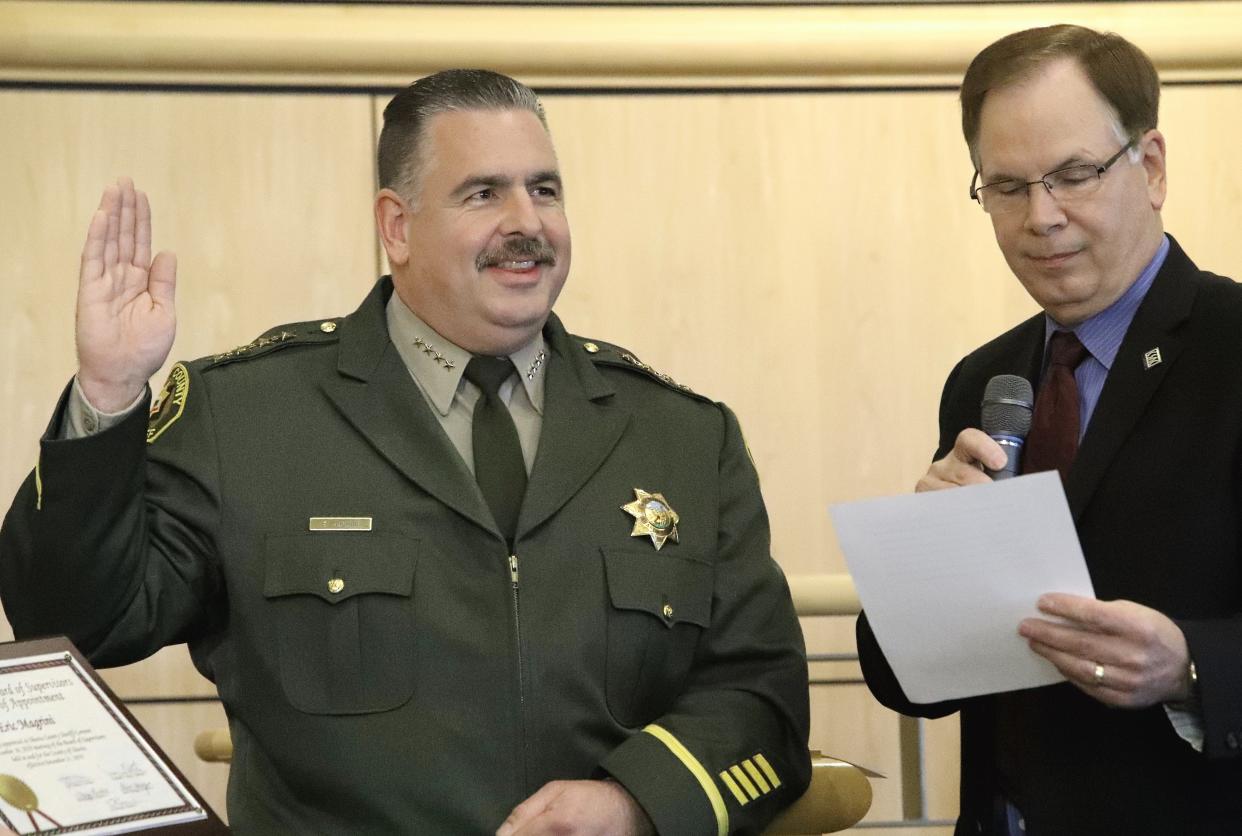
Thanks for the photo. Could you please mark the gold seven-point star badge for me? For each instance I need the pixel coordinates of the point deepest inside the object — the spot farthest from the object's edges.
(653, 516)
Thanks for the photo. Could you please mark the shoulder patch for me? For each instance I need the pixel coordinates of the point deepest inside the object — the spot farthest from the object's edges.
(605, 354)
(301, 333)
(170, 404)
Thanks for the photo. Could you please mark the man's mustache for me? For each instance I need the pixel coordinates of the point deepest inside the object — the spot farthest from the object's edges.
(518, 249)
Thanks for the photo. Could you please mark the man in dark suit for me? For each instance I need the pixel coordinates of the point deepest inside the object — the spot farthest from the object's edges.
(452, 569)
(1144, 419)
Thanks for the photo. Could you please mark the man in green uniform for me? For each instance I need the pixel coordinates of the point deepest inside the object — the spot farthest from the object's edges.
(439, 592)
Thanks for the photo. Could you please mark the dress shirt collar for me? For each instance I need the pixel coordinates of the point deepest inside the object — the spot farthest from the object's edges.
(1102, 334)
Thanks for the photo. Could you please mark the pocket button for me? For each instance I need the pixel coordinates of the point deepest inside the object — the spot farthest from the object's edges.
(335, 585)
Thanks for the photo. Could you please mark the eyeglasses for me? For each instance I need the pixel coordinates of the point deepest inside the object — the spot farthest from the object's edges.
(1065, 185)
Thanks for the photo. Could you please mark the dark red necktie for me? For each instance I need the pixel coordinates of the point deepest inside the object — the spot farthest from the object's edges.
(1053, 440)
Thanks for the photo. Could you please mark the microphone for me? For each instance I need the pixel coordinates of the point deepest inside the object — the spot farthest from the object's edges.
(1007, 405)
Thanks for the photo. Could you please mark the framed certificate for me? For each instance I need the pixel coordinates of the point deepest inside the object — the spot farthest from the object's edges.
(74, 760)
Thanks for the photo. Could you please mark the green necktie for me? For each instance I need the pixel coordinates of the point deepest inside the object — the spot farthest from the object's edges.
(498, 464)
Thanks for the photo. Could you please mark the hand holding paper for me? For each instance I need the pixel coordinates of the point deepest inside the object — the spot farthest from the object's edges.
(1141, 654)
(946, 577)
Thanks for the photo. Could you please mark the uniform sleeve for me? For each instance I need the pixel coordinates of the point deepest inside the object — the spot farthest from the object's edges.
(732, 751)
(110, 540)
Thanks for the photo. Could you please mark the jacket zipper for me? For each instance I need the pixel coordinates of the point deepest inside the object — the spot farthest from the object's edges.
(514, 579)
(517, 623)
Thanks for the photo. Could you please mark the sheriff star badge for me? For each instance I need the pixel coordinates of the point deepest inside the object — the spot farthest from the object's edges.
(653, 517)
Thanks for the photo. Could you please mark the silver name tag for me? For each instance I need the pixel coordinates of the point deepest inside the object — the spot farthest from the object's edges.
(340, 523)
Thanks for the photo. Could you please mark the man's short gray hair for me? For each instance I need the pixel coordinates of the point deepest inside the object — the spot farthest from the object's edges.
(399, 156)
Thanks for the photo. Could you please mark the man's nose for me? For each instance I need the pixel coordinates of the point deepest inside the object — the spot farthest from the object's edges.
(520, 215)
(1043, 212)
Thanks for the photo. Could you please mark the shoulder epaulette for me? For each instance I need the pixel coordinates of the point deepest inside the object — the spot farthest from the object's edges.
(298, 333)
(606, 354)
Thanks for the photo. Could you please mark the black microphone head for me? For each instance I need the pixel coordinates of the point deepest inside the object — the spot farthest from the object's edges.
(1007, 404)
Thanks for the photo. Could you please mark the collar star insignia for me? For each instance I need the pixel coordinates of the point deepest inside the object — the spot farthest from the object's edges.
(653, 517)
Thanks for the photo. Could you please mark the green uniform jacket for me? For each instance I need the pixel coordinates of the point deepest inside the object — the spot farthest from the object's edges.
(406, 678)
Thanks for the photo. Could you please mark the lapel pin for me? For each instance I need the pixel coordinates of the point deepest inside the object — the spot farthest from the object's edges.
(1152, 358)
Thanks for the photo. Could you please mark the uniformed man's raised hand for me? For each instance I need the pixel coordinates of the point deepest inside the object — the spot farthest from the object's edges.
(125, 317)
(972, 450)
(578, 808)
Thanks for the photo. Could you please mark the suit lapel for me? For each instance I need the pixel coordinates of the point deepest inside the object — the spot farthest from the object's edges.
(581, 426)
(375, 393)
(1132, 380)
(1030, 363)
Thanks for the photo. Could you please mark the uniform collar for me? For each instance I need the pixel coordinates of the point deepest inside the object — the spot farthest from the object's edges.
(438, 364)
(531, 361)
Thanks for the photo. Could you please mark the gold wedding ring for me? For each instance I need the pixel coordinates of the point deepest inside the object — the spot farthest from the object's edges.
(1098, 674)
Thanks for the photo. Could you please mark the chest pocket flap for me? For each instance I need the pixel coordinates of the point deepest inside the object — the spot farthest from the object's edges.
(336, 567)
(341, 607)
(674, 590)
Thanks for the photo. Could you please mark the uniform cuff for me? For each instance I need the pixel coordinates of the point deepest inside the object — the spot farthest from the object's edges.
(670, 784)
(64, 457)
(82, 419)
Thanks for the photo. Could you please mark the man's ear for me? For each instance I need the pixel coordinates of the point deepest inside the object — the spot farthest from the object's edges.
(1153, 150)
(391, 219)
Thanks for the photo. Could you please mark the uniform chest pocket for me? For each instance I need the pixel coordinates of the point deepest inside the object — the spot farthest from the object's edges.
(659, 607)
(343, 610)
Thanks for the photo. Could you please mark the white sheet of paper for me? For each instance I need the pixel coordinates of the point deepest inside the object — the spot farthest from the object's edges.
(946, 577)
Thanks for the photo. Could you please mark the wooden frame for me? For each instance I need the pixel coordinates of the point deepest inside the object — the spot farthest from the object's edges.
(210, 826)
(383, 46)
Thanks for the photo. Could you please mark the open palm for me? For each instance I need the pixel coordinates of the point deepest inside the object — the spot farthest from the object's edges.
(125, 320)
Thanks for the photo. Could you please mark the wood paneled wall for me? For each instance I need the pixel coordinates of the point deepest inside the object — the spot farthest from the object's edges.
(811, 258)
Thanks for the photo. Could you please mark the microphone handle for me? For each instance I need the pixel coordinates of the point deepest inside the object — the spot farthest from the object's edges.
(1013, 453)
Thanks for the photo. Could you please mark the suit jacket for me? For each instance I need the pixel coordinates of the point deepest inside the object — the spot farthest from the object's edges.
(409, 675)
(1156, 496)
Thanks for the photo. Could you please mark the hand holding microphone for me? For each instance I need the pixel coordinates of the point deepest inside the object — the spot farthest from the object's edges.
(1006, 419)
(1006, 416)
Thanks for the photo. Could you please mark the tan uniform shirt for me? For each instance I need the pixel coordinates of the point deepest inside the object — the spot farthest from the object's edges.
(437, 366)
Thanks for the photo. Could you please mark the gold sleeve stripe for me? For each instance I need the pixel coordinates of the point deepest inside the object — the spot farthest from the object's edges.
(38, 488)
(700, 774)
(753, 772)
(734, 788)
(744, 781)
(768, 770)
